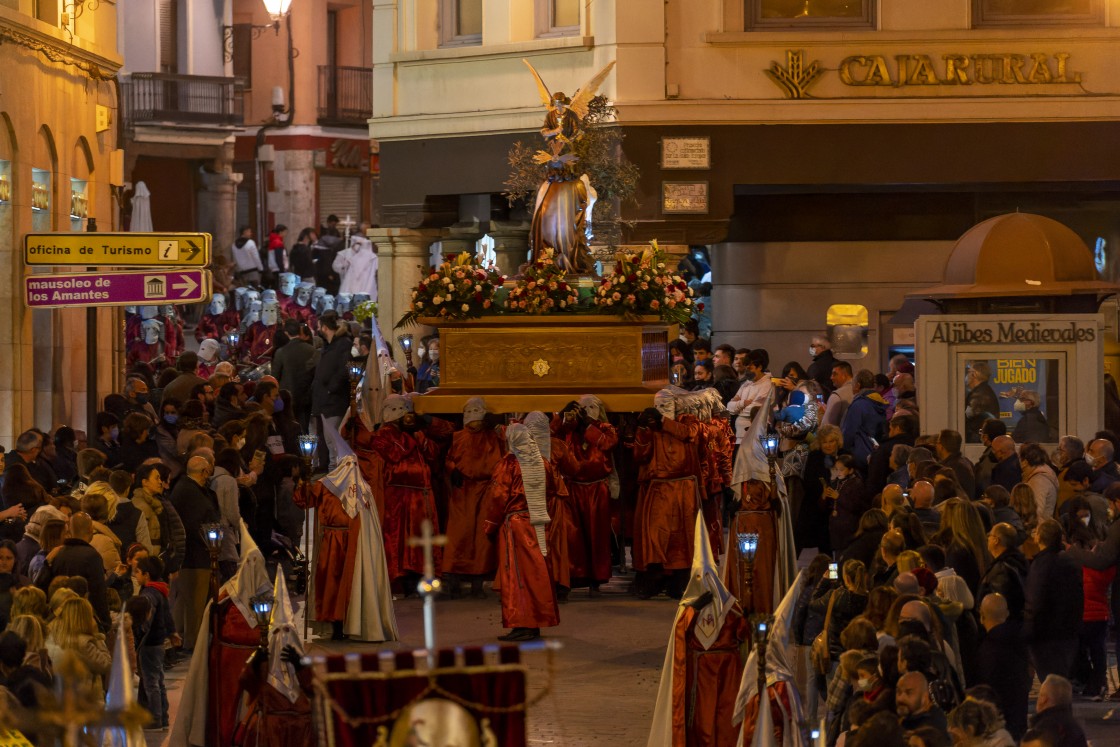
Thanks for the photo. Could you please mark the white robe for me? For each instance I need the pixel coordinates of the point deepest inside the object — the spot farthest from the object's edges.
(357, 266)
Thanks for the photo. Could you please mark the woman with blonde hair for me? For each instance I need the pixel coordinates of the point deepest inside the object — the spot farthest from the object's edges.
(74, 630)
(30, 600)
(965, 541)
(908, 560)
(30, 629)
(1024, 503)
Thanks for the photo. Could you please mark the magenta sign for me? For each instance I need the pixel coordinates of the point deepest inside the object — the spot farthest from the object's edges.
(148, 288)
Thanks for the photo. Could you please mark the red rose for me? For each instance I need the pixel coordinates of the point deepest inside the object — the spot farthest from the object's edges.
(632, 278)
(421, 287)
(700, 306)
(478, 297)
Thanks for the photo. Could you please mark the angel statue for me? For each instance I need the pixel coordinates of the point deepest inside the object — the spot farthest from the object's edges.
(562, 213)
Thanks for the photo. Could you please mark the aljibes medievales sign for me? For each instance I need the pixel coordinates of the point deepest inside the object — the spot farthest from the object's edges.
(1012, 333)
(918, 71)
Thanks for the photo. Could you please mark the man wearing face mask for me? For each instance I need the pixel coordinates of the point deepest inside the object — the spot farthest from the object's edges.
(591, 483)
(107, 442)
(753, 394)
(196, 505)
(1091, 505)
(1101, 457)
(290, 366)
(820, 370)
(475, 451)
(136, 398)
(330, 387)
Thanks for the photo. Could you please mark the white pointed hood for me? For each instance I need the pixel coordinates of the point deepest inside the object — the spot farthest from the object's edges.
(705, 579)
(251, 578)
(281, 634)
(750, 463)
(346, 482)
(121, 695)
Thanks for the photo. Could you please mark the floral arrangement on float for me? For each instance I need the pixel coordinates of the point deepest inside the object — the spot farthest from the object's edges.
(542, 288)
(460, 288)
(643, 284)
(365, 311)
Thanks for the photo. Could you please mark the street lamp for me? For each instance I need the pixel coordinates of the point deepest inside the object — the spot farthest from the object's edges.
(262, 608)
(213, 534)
(277, 9)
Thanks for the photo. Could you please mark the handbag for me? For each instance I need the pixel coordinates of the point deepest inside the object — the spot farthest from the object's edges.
(819, 653)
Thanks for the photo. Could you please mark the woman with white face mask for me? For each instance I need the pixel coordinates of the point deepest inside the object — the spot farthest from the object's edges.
(846, 501)
(427, 377)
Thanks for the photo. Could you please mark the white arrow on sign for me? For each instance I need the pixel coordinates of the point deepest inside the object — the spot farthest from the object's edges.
(186, 287)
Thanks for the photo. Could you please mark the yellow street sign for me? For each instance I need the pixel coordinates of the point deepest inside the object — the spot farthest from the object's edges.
(123, 249)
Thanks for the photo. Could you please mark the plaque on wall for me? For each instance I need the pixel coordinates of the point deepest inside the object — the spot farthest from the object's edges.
(684, 197)
(686, 153)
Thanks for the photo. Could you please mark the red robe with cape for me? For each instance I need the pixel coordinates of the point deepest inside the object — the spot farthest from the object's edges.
(528, 599)
(589, 499)
(337, 550)
(406, 483)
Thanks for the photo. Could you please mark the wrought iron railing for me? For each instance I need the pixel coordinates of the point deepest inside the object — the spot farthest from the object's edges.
(345, 95)
(187, 99)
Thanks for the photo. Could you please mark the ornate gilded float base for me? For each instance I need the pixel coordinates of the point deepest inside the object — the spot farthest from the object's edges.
(542, 362)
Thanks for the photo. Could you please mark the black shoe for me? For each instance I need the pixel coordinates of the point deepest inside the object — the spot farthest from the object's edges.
(562, 594)
(594, 592)
(513, 635)
(336, 631)
(477, 589)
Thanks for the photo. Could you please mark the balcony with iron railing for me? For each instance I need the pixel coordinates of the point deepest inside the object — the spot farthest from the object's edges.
(345, 95)
(159, 98)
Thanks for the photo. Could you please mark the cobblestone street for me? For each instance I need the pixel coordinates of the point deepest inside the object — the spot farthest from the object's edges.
(605, 678)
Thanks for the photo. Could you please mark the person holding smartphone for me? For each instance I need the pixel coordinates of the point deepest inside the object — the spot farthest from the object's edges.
(847, 502)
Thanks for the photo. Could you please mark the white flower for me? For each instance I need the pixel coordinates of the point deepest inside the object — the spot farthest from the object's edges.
(437, 300)
(446, 281)
(478, 289)
(414, 294)
(466, 307)
(419, 304)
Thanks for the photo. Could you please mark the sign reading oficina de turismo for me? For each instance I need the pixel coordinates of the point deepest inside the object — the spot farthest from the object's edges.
(164, 253)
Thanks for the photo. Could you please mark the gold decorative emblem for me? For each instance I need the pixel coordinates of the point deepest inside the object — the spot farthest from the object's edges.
(796, 77)
(541, 367)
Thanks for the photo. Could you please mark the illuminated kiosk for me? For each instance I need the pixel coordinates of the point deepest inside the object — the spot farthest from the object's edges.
(1019, 336)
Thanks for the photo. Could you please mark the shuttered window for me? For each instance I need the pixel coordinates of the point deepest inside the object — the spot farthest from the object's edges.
(341, 196)
(243, 52)
(168, 36)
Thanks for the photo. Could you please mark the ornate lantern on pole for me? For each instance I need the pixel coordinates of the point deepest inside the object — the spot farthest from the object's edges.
(308, 443)
(761, 633)
(262, 608)
(213, 534)
(356, 371)
(748, 547)
(771, 447)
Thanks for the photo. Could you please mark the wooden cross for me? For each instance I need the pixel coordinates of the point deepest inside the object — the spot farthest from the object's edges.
(347, 225)
(429, 585)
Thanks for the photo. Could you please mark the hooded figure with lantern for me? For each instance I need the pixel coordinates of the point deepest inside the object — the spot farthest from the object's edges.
(218, 321)
(475, 452)
(703, 662)
(260, 339)
(516, 509)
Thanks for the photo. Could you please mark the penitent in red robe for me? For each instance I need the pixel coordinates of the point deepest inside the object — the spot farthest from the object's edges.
(271, 719)
(589, 501)
(232, 642)
(475, 454)
(757, 516)
(528, 599)
(406, 483)
(718, 438)
(217, 327)
(668, 499)
(706, 681)
(258, 342)
(337, 550)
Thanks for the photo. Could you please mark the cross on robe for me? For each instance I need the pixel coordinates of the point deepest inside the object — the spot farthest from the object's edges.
(429, 586)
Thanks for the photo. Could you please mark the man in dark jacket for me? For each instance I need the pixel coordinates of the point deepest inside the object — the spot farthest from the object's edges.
(196, 506)
(76, 557)
(903, 429)
(29, 453)
(820, 370)
(291, 367)
(949, 453)
(1002, 662)
(988, 433)
(182, 385)
(1008, 572)
(1053, 715)
(330, 388)
(914, 706)
(1054, 604)
(228, 405)
(1007, 472)
(865, 420)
